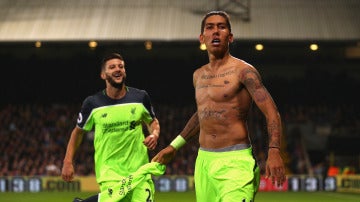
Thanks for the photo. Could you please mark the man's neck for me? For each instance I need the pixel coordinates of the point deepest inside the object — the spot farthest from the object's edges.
(115, 93)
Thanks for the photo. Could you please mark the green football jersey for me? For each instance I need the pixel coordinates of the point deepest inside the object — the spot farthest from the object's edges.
(118, 132)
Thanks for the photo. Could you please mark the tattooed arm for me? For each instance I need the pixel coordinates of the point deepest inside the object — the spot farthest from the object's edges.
(190, 130)
(252, 81)
(192, 127)
(251, 78)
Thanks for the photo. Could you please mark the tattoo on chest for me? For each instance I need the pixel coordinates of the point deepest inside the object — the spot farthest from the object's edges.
(213, 76)
(210, 85)
(208, 113)
(214, 85)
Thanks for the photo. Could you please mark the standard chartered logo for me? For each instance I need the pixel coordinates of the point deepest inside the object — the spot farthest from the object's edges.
(119, 126)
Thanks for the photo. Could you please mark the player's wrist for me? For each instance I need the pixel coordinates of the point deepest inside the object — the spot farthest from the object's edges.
(154, 135)
(67, 161)
(178, 142)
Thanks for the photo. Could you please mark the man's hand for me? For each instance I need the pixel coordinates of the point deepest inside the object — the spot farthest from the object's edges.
(165, 155)
(151, 141)
(67, 172)
(275, 167)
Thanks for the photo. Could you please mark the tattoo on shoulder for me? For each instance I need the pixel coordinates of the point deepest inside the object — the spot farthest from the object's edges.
(248, 74)
(253, 83)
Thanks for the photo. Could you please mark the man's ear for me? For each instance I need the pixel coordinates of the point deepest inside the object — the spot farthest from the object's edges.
(102, 75)
(201, 39)
(231, 37)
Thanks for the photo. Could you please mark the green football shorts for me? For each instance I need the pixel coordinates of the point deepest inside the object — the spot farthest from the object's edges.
(137, 187)
(229, 174)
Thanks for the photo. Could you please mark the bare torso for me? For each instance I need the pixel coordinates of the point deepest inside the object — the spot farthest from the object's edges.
(223, 104)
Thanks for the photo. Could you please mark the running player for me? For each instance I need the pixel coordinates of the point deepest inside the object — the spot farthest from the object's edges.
(225, 89)
(116, 115)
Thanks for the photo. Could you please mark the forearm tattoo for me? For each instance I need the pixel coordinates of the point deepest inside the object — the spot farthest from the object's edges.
(274, 134)
(192, 127)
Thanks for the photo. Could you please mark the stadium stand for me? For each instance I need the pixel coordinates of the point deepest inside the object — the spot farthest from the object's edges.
(34, 136)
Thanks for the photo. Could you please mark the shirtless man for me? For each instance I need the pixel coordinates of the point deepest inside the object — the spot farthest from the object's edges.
(225, 89)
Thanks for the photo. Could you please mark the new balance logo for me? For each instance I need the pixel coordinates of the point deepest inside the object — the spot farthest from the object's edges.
(110, 191)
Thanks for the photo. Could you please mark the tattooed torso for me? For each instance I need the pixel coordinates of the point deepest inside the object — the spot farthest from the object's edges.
(223, 102)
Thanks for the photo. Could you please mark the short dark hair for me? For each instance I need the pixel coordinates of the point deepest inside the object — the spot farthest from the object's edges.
(110, 56)
(211, 13)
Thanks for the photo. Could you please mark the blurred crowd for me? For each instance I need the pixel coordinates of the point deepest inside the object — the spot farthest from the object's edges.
(33, 137)
(341, 120)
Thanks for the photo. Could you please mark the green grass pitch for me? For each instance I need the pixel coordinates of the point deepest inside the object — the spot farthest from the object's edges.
(187, 197)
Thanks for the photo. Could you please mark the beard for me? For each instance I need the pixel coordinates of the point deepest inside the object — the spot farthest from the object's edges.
(115, 84)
